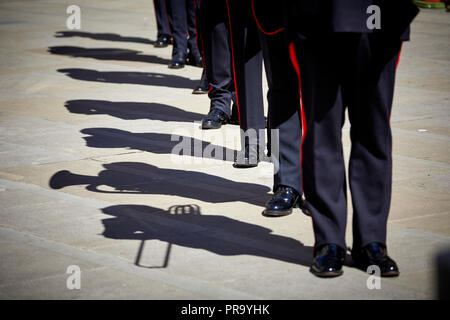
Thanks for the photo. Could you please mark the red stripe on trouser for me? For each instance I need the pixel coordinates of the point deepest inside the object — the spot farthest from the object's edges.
(296, 66)
(232, 58)
(259, 26)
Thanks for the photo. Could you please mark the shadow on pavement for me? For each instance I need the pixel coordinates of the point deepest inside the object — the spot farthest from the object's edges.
(185, 226)
(102, 36)
(132, 110)
(140, 178)
(143, 78)
(107, 54)
(160, 143)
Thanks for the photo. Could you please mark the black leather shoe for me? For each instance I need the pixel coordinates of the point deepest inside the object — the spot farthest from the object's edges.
(203, 86)
(328, 261)
(162, 41)
(375, 254)
(247, 158)
(282, 202)
(215, 119)
(194, 59)
(178, 61)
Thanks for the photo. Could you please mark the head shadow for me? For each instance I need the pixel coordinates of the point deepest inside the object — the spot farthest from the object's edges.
(141, 178)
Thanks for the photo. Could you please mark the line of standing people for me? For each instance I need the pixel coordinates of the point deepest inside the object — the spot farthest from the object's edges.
(321, 58)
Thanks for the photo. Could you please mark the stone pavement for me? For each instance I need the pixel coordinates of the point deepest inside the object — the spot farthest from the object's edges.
(87, 178)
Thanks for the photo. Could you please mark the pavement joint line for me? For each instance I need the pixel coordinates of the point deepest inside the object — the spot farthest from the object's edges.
(418, 90)
(426, 235)
(419, 217)
(196, 286)
(166, 221)
(49, 277)
(425, 135)
(439, 164)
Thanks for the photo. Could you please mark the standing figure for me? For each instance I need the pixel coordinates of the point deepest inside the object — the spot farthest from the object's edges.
(345, 59)
(182, 20)
(162, 24)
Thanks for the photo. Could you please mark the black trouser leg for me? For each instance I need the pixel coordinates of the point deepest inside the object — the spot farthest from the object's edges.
(370, 168)
(247, 71)
(324, 179)
(178, 19)
(217, 53)
(247, 65)
(162, 20)
(284, 111)
(359, 74)
(191, 27)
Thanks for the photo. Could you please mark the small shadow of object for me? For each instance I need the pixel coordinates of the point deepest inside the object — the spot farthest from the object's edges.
(102, 36)
(132, 110)
(160, 143)
(107, 54)
(143, 78)
(185, 226)
(141, 178)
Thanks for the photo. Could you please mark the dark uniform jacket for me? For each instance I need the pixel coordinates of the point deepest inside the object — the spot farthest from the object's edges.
(317, 18)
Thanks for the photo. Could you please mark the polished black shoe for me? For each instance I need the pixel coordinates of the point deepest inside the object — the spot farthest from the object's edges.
(328, 261)
(194, 59)
(301, 203)
(375, 254)
(163, 41)
(178, 61)
(282, 202)
(247, 158)
(215, 119)
(203, 86)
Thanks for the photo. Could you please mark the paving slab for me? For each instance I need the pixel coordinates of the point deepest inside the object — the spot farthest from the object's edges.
(89, 121)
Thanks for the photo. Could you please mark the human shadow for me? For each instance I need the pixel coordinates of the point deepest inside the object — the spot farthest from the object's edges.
(161, 143)
(107, 54)
(132, 110)
(143, 78)
(184, 225)
(102, 36)
(141, 178)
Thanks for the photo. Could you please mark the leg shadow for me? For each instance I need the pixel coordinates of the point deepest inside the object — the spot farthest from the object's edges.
(143, 78)
(102, 36)
(161, 143)
(107, 54)
(132, 110)
(185, 226)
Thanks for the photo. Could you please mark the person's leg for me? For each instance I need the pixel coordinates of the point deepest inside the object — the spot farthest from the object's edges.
(247, 71)
(371, 93)
(370, 167)
(162, 20)
(215, 35)
(177, 12)
(324, 178)
(284, 111)
(194, 56)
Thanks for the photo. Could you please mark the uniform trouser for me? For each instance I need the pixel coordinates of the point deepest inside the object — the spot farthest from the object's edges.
(215, 38)
(284, 111)
(182, 19)
(246, 65)
(356, 72)
(162, 20)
